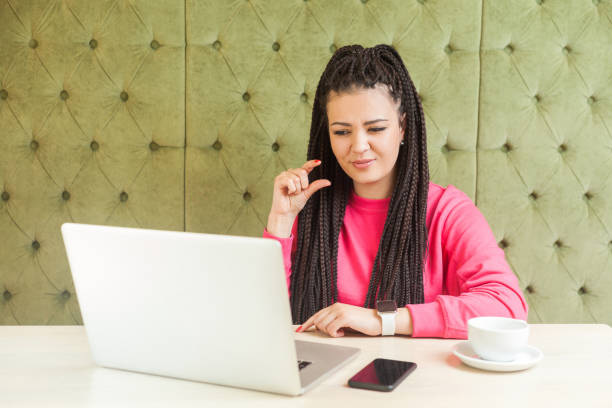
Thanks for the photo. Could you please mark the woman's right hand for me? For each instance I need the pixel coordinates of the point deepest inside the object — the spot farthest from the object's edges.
(292, 190)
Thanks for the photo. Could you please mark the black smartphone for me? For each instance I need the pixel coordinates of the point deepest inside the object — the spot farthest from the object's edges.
(382, 374)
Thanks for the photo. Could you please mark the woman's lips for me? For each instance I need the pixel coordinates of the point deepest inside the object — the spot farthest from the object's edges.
(363, 165)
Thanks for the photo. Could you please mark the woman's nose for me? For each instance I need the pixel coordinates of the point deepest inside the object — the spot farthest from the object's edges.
(360, 141)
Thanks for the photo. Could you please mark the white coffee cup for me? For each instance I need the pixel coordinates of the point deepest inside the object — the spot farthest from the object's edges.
(497, 338)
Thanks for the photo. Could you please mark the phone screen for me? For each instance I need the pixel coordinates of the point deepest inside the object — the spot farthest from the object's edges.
(382, 374)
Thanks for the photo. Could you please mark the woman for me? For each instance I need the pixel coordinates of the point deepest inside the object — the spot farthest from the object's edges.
(360, 222)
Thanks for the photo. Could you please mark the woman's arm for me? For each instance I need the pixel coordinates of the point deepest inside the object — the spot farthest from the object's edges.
(288, 246)
(477, 278)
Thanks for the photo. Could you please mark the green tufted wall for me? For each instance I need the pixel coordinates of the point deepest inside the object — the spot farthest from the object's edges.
(178, 115)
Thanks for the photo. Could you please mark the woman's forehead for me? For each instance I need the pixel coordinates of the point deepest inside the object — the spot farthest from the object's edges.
(361, 99)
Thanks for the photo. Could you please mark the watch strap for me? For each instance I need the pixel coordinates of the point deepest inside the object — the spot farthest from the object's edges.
(388, 323)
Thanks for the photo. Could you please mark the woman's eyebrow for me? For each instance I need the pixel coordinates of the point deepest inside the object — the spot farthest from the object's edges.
(369, 122)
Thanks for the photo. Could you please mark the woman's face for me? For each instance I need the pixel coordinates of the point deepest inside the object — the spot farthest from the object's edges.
(364, 125)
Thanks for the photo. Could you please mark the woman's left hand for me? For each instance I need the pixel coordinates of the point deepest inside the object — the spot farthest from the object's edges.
(333, 319)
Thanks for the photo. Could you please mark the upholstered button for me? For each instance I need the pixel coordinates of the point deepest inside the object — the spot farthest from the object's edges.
(94, 145)
(65, 195)
(5, 196)
(582, 290)
(445, 148)
(154, 44)
(536, 98)
(506, 147)
(93, 43)
(558, 244)
(539, 1)
(64, 94)
(596, 2)
(3, 94)
(7, 295)
(448, 49)
(503, 244)
(588, 195)
(562, 148)
(153, 146)
(33, 43)
(421, 1)
(123, 196)
(246, 196)
(217, 45)
(533, 196)
(217, 145)
(529, 289)
(304, 97)
(276, 46)
(332, 48)
(124, 96)
(364, 1)
(566, 50)
(509, 49)
(35, 245)
(246, 96)
(66, 294)
(275, 146)
(34, 145)
(591, 100)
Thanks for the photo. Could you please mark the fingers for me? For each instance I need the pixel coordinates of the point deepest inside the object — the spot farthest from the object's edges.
(296, 180)
(291, 185)
(323, 321)
(307, 324)
(310, 164)
(291, 181)
(315, 186)
(334, 329)
(299, 178)
(312, 321)
(330, 320)
(333, 325)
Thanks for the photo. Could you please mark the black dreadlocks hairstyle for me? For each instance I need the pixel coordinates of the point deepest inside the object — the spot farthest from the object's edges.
(398, 268)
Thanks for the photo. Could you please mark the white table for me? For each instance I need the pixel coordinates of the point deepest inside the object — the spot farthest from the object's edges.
(47, 366)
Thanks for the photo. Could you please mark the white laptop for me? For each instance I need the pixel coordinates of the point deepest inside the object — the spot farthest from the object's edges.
(201, 307)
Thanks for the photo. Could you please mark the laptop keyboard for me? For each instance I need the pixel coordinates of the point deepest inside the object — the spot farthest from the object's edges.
(302, 364)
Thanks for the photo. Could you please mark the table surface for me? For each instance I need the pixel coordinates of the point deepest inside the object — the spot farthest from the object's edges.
(46, 366)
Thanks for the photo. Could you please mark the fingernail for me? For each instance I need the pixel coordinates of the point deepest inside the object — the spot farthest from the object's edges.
(317, 161)
(298, 329)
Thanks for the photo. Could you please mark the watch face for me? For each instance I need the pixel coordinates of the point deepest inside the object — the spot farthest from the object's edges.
(386, 306)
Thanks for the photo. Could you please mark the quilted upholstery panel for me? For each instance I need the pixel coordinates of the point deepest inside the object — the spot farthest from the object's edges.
(253, 68)
(545, 151)
(92, 131)
(178, 114)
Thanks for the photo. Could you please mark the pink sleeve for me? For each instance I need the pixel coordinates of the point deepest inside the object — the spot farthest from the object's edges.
(478, 279)
(288, 246)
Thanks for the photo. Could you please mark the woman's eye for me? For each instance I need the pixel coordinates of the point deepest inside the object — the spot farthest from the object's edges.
(344, 132)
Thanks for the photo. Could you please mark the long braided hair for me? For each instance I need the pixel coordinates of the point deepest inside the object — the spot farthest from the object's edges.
(398, 268)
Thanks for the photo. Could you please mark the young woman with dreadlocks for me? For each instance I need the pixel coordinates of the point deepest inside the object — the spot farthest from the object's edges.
(377, 230)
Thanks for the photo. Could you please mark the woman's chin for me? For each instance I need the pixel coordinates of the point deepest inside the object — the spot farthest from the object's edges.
(362, 179)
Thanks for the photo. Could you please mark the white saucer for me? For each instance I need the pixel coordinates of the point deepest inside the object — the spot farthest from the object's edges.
(528, 357)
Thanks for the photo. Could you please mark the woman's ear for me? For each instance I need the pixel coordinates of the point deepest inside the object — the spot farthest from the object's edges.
(402, 123)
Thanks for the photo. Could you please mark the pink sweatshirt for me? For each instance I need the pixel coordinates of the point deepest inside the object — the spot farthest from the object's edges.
(465, 274)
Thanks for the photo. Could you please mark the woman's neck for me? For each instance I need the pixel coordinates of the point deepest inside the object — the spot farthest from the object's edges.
(377, 190)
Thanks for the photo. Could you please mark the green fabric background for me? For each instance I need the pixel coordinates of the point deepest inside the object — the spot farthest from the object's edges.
(178, 115)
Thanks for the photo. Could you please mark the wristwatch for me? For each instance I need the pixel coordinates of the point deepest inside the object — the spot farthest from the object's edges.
(387, 310)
